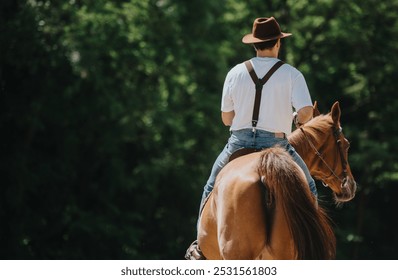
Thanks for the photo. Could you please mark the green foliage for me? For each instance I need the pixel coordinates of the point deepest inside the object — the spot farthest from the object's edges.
(111, 117)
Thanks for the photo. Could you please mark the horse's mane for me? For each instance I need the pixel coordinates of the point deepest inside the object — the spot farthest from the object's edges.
(309, 226)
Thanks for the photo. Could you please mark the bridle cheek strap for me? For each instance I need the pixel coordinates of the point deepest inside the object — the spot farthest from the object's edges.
(320, 156)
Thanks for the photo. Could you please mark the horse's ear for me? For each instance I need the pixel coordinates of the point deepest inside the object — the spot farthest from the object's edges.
(336, 112)
(316, 111)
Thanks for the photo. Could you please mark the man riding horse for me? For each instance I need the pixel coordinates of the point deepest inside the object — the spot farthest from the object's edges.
(258, 99)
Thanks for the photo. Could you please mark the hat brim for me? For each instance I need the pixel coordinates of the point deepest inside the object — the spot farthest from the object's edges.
(250, 39)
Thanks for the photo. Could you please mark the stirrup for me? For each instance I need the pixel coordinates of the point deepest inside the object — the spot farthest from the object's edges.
(194, 252)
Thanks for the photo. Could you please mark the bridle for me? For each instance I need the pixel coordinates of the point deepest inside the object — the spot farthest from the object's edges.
(336, 133)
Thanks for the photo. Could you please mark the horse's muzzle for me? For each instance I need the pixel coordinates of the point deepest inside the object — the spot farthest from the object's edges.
(348, 190)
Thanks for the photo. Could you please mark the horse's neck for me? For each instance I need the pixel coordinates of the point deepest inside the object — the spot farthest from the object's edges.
(297, 140)
(302, 145)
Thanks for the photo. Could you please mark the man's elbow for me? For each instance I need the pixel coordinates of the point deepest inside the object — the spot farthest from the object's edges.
(227, 123)
(227, 118)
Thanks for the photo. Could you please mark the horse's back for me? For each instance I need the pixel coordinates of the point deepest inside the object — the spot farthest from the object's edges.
(233, 220)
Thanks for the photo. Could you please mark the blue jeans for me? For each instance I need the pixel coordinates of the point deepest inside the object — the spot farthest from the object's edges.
(259, 139)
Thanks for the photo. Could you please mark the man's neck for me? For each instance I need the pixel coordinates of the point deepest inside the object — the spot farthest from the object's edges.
(268, 53)
(274, 52)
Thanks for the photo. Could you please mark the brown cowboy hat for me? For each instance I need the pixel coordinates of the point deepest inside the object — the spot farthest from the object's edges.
(264, 29)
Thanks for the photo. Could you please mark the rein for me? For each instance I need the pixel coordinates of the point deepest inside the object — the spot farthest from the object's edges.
(344, 163)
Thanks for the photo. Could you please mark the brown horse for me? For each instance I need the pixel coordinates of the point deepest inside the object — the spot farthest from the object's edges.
(261, 206)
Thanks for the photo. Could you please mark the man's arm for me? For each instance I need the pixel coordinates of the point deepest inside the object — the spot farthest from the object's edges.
(227, 117)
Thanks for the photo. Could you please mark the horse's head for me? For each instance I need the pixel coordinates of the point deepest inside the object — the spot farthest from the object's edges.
(330, 165)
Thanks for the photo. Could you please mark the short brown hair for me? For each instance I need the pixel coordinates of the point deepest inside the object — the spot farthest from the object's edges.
(265, 45)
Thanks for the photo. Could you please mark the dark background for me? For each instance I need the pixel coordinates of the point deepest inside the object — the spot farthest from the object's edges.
(110, 118)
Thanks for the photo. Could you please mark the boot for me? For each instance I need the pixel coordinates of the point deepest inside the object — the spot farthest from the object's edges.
(194, 252)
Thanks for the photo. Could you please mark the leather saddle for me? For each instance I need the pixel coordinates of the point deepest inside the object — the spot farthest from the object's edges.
(242, 152)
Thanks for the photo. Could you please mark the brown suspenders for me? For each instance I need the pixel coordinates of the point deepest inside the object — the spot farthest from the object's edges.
(259, 87)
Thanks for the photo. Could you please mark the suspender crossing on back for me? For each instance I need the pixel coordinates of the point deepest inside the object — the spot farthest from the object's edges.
(259, 87)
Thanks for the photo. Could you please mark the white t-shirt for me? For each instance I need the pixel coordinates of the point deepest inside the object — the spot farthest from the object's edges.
(285, 90)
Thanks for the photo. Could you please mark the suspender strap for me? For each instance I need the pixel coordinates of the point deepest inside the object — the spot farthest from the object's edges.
(259, 86)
